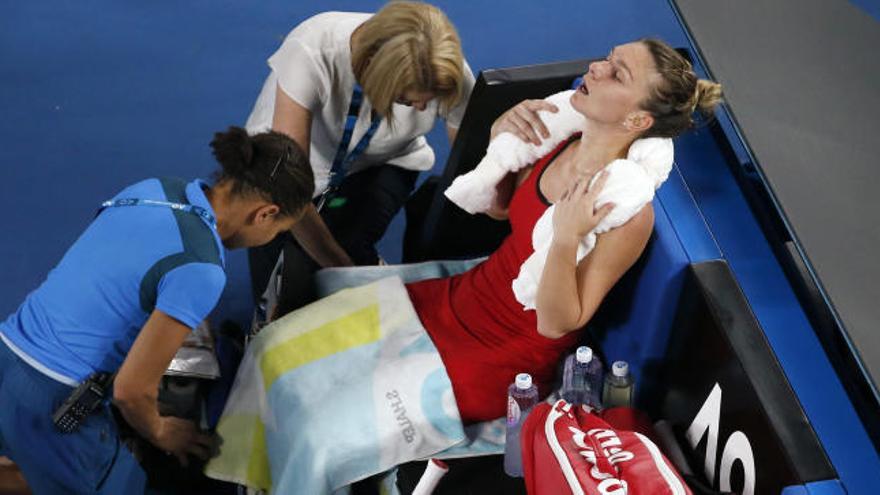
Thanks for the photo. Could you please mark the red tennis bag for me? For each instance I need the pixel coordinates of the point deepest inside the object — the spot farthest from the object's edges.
(568, 450)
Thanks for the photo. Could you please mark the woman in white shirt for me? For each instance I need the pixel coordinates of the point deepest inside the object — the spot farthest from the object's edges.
(407, 59)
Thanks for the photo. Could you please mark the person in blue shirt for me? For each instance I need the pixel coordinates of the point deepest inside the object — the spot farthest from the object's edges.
(147, 270)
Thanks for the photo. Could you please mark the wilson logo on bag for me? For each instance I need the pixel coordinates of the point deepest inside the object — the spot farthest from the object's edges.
(567, 449)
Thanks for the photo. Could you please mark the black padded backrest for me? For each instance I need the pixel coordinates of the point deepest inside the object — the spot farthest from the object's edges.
(436, 228)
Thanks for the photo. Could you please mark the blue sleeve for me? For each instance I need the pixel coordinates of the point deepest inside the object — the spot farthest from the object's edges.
(189, 292)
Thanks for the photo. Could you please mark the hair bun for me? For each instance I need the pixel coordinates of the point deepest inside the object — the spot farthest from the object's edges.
(240, 142)
(234, 150)
(708, 96)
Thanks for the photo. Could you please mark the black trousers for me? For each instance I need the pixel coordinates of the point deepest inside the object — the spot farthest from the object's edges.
(358, 217)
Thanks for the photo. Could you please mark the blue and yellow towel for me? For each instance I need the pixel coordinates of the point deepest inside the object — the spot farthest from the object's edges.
(337, 391)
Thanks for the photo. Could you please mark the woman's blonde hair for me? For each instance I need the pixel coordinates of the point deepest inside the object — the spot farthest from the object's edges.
(408, 46)
(678, 94)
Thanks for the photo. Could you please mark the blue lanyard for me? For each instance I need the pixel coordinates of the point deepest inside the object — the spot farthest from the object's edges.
(186, 208)
(342, 160)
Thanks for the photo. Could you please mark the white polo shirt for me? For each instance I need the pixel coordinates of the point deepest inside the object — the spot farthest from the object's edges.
(313, 67)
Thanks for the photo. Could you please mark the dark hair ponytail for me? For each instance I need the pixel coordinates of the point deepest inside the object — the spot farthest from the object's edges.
(270, 165)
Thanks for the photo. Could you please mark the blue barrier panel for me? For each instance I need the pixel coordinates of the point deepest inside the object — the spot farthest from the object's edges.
(738, 235)
(636, 319)
(829, 487)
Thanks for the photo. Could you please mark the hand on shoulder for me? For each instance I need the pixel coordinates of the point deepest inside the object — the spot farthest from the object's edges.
(524, 122)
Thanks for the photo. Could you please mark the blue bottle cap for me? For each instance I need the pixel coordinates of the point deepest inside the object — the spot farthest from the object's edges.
(620, 368)
(523, 381)
(583, 354)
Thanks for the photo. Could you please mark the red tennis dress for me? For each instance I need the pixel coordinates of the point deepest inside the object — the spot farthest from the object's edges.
(484, 335)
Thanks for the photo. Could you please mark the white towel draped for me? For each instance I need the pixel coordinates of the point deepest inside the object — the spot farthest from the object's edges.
(630, 186)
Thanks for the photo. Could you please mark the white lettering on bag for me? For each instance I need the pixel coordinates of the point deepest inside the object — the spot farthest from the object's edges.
(612, 486)
(610, 444)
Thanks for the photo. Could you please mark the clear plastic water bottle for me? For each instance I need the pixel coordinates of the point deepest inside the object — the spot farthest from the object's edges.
(521, 398)
(619, 385)
(582, 379)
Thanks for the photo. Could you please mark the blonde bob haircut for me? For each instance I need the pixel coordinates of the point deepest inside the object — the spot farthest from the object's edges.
(408, 46)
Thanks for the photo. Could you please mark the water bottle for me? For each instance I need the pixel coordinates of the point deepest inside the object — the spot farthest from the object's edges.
(521, 397)
(619, 386)
(582, 379)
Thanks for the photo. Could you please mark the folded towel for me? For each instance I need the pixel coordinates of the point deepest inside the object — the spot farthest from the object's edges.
(630, 186)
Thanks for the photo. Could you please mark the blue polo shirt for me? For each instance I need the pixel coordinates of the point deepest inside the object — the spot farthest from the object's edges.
(128, 262)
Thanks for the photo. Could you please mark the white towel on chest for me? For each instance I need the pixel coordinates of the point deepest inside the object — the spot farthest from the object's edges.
(630, 186)
(474, 191)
